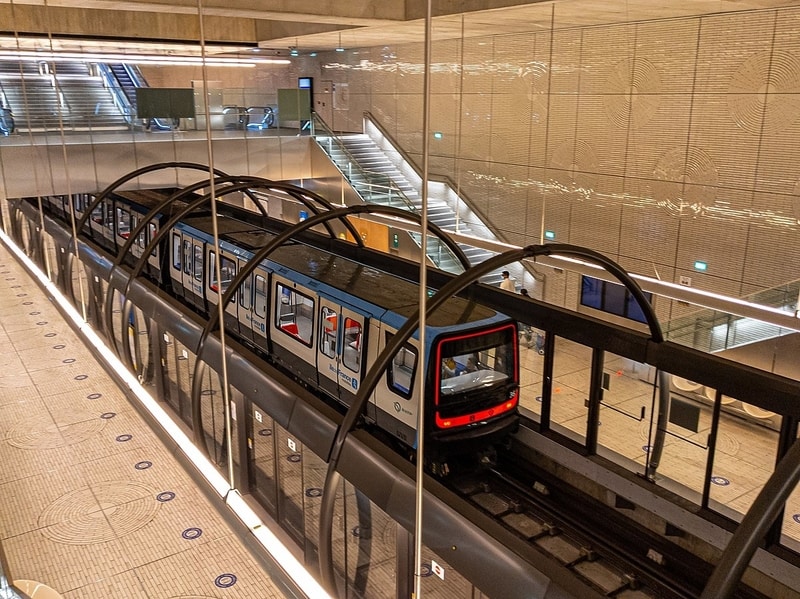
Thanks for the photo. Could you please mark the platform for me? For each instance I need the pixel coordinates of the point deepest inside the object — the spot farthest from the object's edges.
(93, 504)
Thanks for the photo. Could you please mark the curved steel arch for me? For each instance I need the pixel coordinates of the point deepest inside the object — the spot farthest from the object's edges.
(142, 260)
(265, 251)
(368, 384)
(251, 182)
(136, 173)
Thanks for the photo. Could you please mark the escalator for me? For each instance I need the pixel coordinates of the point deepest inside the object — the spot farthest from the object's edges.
(126, 82)
(128, 78)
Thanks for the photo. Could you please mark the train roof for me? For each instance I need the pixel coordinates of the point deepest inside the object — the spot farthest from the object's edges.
(376, 287)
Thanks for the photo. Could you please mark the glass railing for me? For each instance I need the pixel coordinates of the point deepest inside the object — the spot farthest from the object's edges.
(377, 188)
(713, 331)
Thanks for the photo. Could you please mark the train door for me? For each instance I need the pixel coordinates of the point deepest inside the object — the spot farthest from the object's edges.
(328, 343)
(176, 262)
(216, 289)
(396, 401)
(192, 275)
(341, 349)
(245, 309)
(258, 315)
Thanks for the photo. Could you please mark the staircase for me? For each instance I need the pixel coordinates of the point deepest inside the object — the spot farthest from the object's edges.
(378, 181)
(48, 96)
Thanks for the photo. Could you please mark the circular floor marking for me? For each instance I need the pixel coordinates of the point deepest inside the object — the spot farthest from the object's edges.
(80, 516)
(225, 581)
(165, 496)
(191, 533)
(36, 435)
(720, 480)
(143, 465)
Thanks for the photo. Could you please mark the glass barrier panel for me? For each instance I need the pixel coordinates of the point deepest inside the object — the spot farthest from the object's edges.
(531, 368)
(682, 465)
(572, 364)
(371, 547)
(625, 409)
(746, 449)
(289, 457)
(261, 459)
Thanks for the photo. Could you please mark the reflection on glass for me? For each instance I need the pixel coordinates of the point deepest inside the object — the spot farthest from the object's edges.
(572, 365)
(468, 371)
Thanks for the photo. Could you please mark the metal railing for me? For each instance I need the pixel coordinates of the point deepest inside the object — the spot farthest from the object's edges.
(713, 331)
(377, 188)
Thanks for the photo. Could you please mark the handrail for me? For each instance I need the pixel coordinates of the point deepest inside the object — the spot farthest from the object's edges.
(684, 329)
(415, 167)
(383, 181)
(389, 184)
(121, 100)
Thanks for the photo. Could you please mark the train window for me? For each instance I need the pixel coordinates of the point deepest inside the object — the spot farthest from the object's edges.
(108, 214)
(123, 222)
(97, 214)
(140, 237)
(260, 302)
(227, 270)
(198, 262)
(295, 313)
(152, 230)
(328, 327)
(475, 363)
(245, 297)
(402, 372)
(176, 251)
(187, 256)
(351, 356)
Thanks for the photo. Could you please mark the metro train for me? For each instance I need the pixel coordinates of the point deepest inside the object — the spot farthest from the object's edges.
(325, 318)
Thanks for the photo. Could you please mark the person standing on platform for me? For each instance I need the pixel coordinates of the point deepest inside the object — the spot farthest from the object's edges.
(507, 283)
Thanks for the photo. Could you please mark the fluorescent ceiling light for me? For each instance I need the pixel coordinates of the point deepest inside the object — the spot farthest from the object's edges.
(155, 59)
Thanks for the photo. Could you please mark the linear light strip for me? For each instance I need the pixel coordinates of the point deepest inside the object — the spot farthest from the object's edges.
(271, 544)
(220, 61)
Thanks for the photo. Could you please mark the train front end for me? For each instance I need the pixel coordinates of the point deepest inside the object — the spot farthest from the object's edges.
(474, 388)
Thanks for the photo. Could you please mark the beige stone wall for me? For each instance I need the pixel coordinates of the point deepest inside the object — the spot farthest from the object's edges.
(658, 143)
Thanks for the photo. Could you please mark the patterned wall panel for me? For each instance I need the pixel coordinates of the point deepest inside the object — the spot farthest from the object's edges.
(596, 220)
(478, 65)
(644, 141)
(609, 142)
(445, 108)
(649, 234)
(476, 182)
(773, 251)
(725, 43)
(565, 75)
(511, 60)
(507, 196)
(532, 232)
(446, 67)
(509, 126)
(382, 78)
(411, 71)
(665, 131)
(475, 125)
(720, 243)
(603, 50)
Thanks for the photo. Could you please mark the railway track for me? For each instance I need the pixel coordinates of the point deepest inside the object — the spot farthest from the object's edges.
(599, 545)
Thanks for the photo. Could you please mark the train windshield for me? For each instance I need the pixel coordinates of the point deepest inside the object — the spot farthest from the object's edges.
(477, 362)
